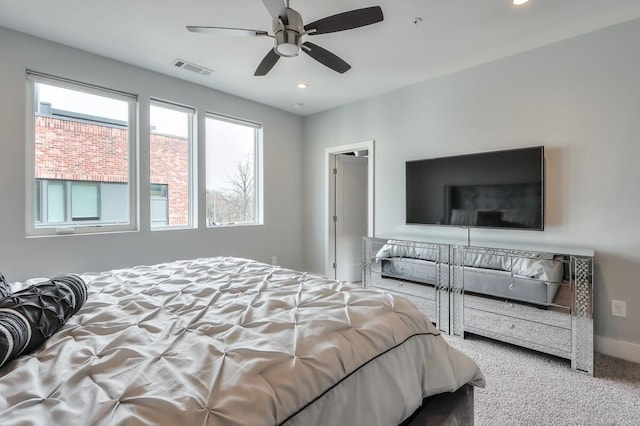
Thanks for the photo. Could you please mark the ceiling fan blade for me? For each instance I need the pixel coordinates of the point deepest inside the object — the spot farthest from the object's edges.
(267, 63)
(346, 21)
(325, 57)
(227, 31)
(276, 9)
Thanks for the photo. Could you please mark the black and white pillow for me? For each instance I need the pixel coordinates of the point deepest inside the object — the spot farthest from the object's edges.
(30, 316)
(5, 289)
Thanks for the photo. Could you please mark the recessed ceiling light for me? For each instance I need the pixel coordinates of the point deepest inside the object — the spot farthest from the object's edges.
(302, 85)
(520, 2)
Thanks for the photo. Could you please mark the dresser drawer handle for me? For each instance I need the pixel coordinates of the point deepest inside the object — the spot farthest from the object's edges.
(512, 286)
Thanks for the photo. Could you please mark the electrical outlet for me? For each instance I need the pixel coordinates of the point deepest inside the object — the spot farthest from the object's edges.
(619, 308)
(274, 260)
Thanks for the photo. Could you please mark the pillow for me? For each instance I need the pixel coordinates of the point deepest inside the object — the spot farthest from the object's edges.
(463, 217)
(527, 264)
(5, 290)
(21, 285)
(524, 218)
(30, 316)
(399, 248)
(540, 268)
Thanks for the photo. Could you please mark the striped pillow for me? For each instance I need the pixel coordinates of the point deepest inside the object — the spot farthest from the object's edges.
(5, 289)
(30, 316)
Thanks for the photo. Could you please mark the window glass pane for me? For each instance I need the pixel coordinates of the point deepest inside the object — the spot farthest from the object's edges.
(231, 172)
(159, 212)
(84, 201)
(82, 140)
(170, 149)
(159, 205)
(114, 203)
(55, 202)
(74, 103)
(159, 190)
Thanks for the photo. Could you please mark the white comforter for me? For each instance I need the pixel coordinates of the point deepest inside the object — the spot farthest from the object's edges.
(227, 341)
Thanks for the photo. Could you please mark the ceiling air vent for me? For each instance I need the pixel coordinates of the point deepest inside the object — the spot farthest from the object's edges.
(192, 67)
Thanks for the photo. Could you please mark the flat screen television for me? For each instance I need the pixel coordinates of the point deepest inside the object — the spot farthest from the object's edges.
(500, 189)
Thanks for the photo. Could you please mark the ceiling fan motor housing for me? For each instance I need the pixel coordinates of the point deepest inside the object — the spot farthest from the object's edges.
(288, 36)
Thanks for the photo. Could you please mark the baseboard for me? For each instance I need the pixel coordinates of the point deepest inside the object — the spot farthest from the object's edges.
(618, 348)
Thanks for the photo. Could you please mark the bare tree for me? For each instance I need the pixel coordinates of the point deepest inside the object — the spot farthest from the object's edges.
(235, 203)
(241, 183)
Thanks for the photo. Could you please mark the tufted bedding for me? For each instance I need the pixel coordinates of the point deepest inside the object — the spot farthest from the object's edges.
(228, 341)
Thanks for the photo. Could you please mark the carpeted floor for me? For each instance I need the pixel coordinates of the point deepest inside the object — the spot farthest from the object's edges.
(529, 388)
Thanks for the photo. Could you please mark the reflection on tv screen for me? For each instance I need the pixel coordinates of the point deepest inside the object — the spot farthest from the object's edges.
(502, 189)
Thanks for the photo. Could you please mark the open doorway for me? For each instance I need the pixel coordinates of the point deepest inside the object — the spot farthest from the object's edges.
(349, 208)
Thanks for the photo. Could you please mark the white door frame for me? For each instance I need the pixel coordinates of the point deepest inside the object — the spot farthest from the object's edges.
(329, 237)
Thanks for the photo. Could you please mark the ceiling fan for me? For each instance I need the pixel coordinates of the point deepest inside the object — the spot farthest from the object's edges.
(288, 30)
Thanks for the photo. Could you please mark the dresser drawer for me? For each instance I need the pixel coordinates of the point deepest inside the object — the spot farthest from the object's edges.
(558, 317)
(405, 287)
(479, 321)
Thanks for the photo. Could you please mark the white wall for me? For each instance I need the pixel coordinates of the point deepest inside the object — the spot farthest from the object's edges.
(22, 257)
(579, 98)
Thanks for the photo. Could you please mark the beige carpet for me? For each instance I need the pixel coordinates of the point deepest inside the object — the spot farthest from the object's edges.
(529, 388)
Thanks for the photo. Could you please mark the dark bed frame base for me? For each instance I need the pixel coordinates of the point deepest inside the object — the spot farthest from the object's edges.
(446, 409)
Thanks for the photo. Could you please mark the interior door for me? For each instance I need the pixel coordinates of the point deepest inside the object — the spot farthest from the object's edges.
(350, 215)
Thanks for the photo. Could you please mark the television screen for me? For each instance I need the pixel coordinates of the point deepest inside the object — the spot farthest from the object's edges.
(501, 189)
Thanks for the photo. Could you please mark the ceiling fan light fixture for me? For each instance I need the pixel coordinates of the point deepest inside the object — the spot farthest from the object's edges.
(287, 50)
(288, 43)
(288, 35)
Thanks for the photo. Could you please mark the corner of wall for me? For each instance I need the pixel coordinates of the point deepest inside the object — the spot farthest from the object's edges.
(618, 348)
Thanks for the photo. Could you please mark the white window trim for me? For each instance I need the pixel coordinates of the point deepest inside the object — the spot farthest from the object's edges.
(193, 165)
(31, 230)
(258, 169)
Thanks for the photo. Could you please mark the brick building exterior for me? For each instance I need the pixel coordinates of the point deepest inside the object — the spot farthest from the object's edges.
(170, 166)
(79, 150)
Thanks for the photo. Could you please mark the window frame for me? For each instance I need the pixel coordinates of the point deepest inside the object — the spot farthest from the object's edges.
(31, 227)
(193, 169)
(257, 169)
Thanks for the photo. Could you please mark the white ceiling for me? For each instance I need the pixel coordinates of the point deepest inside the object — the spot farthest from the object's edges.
(453, 35)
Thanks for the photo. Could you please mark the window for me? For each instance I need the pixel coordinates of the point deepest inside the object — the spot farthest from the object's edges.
(60, 203)
(85, 201)
(55, 203)
(171, 147)
(159, 205)
(80, 158)
(233, 175)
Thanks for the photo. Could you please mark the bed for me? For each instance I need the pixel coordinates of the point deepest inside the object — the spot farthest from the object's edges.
(236, 342)
(417, 271)
(526, 276)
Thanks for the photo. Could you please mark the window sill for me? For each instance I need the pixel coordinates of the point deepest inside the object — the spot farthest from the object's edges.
(79, 230)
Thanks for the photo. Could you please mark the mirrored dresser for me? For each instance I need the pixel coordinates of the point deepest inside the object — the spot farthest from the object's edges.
(539, 300)
(416, 270)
